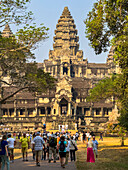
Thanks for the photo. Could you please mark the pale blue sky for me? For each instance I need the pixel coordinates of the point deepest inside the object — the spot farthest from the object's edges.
(49, 11)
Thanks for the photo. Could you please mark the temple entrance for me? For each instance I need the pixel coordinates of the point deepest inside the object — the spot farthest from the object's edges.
(63, 106)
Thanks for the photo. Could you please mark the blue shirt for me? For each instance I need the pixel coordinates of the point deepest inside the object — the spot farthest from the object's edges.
(95, 143)
(3, 144)
(65, 146)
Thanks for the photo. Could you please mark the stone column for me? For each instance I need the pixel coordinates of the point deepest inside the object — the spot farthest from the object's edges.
(102, 112)
(46, 111)
(69, 109)
(61, 70)
(8, 113)
(69, 71)
(14, 108)
(74, 112)
(58, 109)
(52, 71)
(26, 112)
(90, 111)
(56, 71)
(36, 104)
(82, 110)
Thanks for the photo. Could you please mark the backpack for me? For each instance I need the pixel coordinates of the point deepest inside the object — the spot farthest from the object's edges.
(52, 142)
(62, 146)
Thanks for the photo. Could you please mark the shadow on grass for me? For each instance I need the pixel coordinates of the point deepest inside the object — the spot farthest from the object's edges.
(108, 159)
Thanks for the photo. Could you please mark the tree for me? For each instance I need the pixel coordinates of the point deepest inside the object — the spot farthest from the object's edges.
(114, 128)
(104, 89)
(15, 50)
(107, 24)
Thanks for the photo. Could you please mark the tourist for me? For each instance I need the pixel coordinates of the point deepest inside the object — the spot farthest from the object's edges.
(37, 147)
(11, 143)
(90, 154)
(73, 148)
(76, 136)
(4, 153)
(24, 144)
(14, 135)
(31, 137)
(44, 151)
(95, 146)
(101, 136)
(52, 148)
(84, 137)
(33, 152)
(62, 150)
(67, 150)
(88, 135)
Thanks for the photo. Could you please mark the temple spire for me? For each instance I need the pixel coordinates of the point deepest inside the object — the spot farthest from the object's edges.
(66, 12)
(65, 39)
(7, 31)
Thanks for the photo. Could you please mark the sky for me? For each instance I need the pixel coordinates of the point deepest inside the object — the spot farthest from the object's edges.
(49, 11)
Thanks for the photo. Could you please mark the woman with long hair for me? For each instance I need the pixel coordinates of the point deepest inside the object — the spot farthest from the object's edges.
(90, 154)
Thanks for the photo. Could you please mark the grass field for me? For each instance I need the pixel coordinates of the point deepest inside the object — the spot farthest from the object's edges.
(111, 156)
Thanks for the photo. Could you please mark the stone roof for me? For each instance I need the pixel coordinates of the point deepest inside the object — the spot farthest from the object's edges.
(79, 82)
(97, 65)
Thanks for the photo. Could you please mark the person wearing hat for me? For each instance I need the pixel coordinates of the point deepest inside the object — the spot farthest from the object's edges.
(38, 143)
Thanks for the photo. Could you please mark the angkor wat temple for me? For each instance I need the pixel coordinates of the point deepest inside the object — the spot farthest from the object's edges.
(65, 104)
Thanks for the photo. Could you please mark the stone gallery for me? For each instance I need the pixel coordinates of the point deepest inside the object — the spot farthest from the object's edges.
(66, 104)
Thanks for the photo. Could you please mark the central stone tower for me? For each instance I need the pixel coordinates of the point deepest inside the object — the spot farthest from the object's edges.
(65, 48)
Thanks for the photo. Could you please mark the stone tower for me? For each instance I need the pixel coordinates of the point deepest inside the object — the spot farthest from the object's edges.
(7, 31)
(65, 51)
(65, 39)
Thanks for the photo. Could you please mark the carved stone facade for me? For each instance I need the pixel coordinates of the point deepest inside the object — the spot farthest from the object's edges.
(66, 103)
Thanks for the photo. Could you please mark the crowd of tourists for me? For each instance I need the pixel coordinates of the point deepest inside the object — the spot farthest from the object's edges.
(44, 146)
(47, 146)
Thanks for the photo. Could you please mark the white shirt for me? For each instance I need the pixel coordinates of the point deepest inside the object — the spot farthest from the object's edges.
(10, 142)
(87, 135)
(67, 148)
(38, 143)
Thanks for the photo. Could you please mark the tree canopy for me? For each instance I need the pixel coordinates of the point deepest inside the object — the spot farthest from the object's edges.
(107, 25)
(16, 50)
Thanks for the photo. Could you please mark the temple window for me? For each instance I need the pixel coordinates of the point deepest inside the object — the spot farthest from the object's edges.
(11, 112)
(98, 111)
(4, 112)
(30, 111)
(49, 110)
(22, 111)
(54, 111)
(86, 111)
(42, 111)
(65, 70)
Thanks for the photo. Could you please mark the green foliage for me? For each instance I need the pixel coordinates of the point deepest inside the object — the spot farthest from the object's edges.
(15, 51)
(105, 88)
(114, 128)
(107, 24)
(14, 11)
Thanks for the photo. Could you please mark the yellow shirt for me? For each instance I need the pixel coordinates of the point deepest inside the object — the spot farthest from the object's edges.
(58, 139)
(24, 142)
